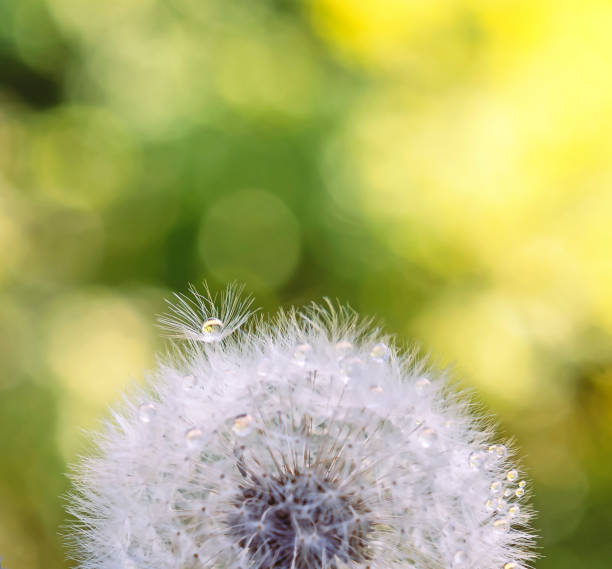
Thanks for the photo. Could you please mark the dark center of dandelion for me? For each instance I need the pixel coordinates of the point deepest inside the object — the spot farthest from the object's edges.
(299, 521)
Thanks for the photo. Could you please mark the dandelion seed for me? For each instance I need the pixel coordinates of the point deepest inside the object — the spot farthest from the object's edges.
(317, 446)
(204, 317)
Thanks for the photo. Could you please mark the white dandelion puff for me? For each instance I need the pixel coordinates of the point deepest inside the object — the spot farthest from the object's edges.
(310, 442)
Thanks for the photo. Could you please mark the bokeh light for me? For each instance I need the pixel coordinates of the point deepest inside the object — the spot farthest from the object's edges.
(444, 165)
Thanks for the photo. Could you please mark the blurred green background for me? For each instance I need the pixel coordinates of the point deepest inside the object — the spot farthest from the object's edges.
(443, 164)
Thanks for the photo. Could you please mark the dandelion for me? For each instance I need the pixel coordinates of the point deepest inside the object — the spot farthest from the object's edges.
(310, 442)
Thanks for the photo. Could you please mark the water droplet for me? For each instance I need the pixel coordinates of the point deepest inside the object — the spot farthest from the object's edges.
(146, 412)
(460, 559)
(511, 565)
(522, 484)
(212, 330)
(129, 564)
(507, 492)
(243, 424)
(343, 348)
(477, 460)
(496, 487)
(514, 510)
(512, 475)
(491, 505)
(264, 368)
(376, 389)
(500, 504)
(301, 354)
(380, 352)
(351, 367)
(519, 492)
(189, 382)
(427, 437)
(501, 524)
(498, 451)
(193, 437)
(421, 384)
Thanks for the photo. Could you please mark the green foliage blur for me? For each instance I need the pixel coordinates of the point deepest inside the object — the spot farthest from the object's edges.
(445, 165)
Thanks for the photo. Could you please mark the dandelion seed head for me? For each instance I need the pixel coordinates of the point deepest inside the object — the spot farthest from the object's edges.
(310, 442)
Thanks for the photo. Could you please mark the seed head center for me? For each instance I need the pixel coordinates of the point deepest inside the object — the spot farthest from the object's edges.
(299, 520)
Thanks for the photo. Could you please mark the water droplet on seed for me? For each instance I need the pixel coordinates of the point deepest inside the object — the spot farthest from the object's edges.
(129, 564)
(193, 437)
(212, 330)
(496, 487)
(380, 352)
(491, 505)
(477, 460)
(507, 492)
(343, 348)
(522, 484)
(189, 382)
(351, 367)
(511, 565)
(264, 368)
(146, 411)
(301, 354)
(427, 437)
(501, 524)
(514, 510)
(498, 451)
(512, 475)
(243, 424)
(519, 492)
(421, 384)
(460, 559)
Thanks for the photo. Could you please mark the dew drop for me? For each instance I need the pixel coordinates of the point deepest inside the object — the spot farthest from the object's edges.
(129, 564)
(512, 475)
(501, 524)
(514, 510)
(507, 492)
(380, 352)
(522, 484)
(511, 565)
(343, 348)
(501, 504)
(477, 460)
(264, 367)
(193, 437)
(212, 330)
(421, 384)
(498, 451)
(496, 487)
(427, 437)
(301, 354)
(491, 505)
(146, 411)
(351, 367)
(460, 559)
(243, 424)
(519, 492)
(189, 382)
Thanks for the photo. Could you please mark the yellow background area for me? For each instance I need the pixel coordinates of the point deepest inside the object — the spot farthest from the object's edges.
(443, 165)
